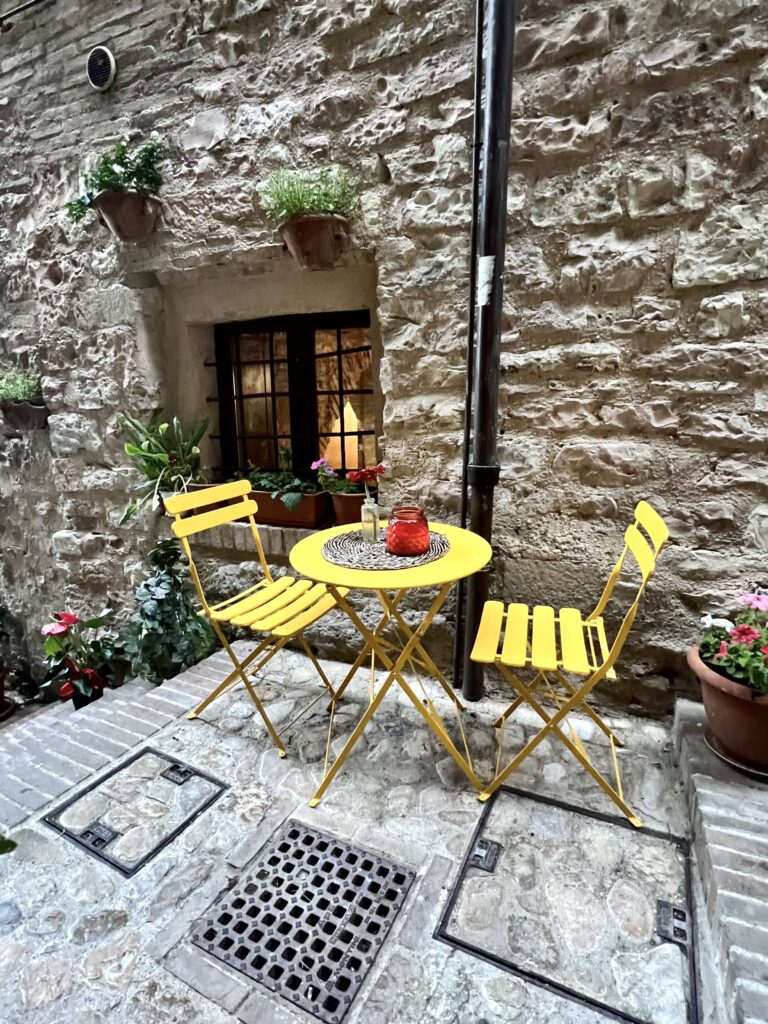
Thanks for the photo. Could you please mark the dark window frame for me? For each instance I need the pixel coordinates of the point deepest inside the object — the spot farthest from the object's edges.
(302, 392)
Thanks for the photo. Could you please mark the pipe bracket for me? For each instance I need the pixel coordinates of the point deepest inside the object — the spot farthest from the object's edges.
(483, 477)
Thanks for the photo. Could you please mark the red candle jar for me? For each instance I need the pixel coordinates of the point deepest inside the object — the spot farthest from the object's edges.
(407, 532)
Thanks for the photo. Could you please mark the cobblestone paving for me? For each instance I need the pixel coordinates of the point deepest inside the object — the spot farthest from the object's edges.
(81, 943)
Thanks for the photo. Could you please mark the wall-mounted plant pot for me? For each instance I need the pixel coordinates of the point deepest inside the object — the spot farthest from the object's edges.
(312, 512)
(315, 241)
(737, 714)
(346, 508)
(130, 216)
(25, 415)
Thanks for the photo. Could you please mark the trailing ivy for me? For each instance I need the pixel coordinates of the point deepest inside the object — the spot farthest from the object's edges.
(166, 635)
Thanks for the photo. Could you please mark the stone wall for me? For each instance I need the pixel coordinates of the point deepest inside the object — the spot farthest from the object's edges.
(636, 308)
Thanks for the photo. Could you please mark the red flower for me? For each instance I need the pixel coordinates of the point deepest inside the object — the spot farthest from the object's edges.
(764, 650)
(55, 629)
(723, 650)
(93, 677)
(66, 691)
(366, 476)
(745, 635)
(67, 618)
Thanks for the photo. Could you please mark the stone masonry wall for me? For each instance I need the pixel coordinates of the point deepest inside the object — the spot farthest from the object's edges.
(636, 273)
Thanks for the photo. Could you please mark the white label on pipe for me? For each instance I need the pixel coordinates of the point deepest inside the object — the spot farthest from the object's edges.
(485, 265)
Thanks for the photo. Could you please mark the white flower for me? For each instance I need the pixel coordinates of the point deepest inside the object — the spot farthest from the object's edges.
(709, 622)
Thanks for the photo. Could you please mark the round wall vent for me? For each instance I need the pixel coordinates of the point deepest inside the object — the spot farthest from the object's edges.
(101, 68)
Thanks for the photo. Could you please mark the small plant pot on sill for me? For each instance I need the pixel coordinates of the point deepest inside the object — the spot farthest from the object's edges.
(346, 508)
(312, 512)
(130, 216)
(737, 714)
(25, 415)
(316, 240)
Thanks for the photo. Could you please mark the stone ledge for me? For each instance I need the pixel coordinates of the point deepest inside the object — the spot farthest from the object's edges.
(235, 538)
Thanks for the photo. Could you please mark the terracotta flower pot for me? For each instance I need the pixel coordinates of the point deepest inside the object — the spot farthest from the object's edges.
(25, 415)
(346, 508)
(315, 241)
(312, 511)
(130, 216)
(737, 714)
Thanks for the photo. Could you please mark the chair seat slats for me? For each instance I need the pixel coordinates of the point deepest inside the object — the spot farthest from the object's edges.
(543, 643)
(487, 640)
(290, 611)
(304, 619)
(573, 642)
(514, 651)
(227, 610)
(266, 610)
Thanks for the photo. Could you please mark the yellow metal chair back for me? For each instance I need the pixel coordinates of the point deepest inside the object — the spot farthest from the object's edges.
(186, 526)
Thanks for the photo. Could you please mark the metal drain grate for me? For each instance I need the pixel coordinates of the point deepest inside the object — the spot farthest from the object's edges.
(310, 921)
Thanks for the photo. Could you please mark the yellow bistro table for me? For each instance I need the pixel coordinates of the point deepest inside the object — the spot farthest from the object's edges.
(467, 554)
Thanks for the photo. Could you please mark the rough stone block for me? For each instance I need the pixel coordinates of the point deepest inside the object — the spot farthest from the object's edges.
(71, 433)
(730, 245)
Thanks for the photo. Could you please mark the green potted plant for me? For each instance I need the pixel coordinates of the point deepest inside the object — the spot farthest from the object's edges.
(731, 663)
(166, 635)
(312, 210)
(166, 453)
(78, 655)
(122, 188)
(285, 499)
(347, 496)
(21, 400)
(7, 707)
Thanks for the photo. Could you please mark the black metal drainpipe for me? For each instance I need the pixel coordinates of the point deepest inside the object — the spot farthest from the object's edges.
(20, 10)
(483, 469)
(477, 145)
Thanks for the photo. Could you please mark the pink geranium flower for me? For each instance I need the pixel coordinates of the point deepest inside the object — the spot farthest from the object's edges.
(318, 463)
(55, 629)
(758, 602)
(745, 635)
(723, 650)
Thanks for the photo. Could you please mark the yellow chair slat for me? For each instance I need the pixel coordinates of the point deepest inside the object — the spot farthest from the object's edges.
(514, 651)
(573, 643)
(252, 601)
(216, 517)
(653, 524)
(289, 612)
(487, 640)
(320, 608)
(641, 549)
(543, 641)
(179, 503)
(282, 600)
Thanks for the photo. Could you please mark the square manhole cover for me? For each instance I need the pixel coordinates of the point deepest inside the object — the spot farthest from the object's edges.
(128, 815)
(310, 920)
(582, 903)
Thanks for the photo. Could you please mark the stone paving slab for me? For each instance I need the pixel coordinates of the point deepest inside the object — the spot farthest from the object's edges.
(83, 944)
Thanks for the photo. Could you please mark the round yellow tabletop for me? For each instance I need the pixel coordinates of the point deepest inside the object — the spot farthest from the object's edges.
(467, 554)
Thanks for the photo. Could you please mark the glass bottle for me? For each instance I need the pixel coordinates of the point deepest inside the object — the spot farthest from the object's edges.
(369, 519)
(408, 531)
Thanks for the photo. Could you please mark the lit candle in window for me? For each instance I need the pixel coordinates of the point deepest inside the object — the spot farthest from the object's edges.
(333, 451)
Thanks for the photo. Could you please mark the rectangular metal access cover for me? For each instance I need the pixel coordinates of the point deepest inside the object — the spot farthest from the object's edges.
(310, 920)
(128, 815)
(581, 903)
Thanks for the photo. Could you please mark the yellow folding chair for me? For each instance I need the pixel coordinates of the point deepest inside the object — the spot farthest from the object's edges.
(529, 640)
(282, 608)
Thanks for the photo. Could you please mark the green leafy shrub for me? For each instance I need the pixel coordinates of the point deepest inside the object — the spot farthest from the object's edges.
(168, 454)
(20, 386)
(298, 193)
(118, 170)
(166, 636)
(282, 483)
(6, 845)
